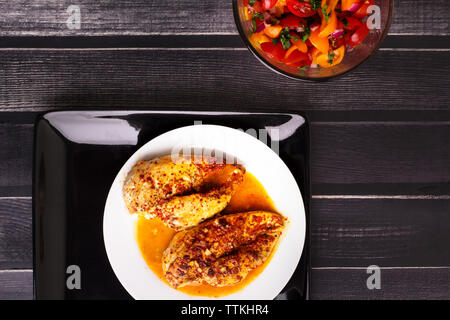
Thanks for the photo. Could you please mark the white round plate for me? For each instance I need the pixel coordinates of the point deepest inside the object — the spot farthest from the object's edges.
(119, 226)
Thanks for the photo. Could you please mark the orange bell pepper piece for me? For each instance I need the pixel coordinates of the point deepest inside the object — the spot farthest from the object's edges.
(301, 46)
(330, 21)
(273, 31)
(320, 43)
(329, 26)
(347, 4)
(260, 37)
(314, 54)
(331, 4)
(247, 14)
(279, 7)
(335, 57)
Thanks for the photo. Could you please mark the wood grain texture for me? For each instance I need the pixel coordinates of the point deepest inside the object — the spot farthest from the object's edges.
(120, 17)
(214, 80)
(16, 159)
(384, 158)
(379, 231)
(344, 233)
(396, 284)
(16, 248)
(16, 285)
(388, 153)
(325, 284)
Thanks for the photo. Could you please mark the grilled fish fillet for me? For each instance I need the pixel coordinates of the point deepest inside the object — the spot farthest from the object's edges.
(221, 251)
(181, 191)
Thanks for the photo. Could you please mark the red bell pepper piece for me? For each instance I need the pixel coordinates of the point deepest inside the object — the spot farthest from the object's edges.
(362, 11)
(273, 51)
(358, 36)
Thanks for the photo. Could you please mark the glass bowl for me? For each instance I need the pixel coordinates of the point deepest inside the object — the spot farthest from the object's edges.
(351, 59)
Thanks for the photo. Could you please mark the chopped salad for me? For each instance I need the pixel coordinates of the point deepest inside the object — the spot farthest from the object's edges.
(307, 33)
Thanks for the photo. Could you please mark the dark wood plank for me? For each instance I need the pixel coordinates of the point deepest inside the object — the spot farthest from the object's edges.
(16, 159)
(384, 232)
(16, 248)
(214, 79)
(396, 284)
(348, 158)
(421, 17)
(180, 16)
(385, 153)
(344, 232)
(16, 285)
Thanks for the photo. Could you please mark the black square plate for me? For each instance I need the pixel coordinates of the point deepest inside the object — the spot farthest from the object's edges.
(77, 156)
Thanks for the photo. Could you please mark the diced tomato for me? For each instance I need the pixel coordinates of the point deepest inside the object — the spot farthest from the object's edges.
(292, 21)
(297, 59)
(352, 24)
(289, 51)
(337, 42)
(361, 13)
(358, 36)
(273, 51)
(258, 21)
(257, 7)
(268, 4)
(300, 9)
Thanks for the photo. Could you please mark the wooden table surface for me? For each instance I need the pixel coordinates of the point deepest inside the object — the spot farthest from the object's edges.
(380, 134)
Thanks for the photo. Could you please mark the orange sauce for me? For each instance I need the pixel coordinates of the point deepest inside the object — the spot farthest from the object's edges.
(153, 237)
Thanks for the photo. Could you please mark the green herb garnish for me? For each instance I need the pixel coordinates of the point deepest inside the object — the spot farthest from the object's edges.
(326, 14)
(285, 38)
(273, 21)
(315, 4)
(306, 32)
(258, 15)
(331, 56)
